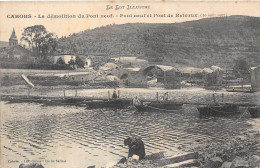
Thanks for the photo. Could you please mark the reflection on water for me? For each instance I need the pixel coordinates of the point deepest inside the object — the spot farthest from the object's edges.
(85, 137)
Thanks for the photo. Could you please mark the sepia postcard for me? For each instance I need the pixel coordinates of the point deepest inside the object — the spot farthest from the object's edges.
(91, 84)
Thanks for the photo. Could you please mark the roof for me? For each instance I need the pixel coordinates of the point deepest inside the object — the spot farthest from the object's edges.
(133, 69)
(104, 68)
(207, 70)
(115, 58)
(166, 68)
(126, 66)
(141, 60)
(127, 59)
(64, 55)
(112, 78)
(13, 36)
(78, 73)
(214, 68)
(19, 50)
(110, 65)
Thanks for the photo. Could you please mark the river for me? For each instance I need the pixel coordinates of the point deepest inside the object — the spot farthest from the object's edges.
(70, 136)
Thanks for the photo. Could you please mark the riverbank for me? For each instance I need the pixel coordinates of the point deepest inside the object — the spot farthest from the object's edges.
(232, 152)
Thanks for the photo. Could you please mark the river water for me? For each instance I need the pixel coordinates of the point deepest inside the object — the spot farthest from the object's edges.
(75, 137)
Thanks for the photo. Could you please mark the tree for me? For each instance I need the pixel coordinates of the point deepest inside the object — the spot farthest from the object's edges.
(242, 68)
(41, 42)
(60, 61)
(72, 63)
(49, 45)
(79, 62)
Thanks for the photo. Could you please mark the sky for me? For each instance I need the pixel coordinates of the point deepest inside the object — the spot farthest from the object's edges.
(154, 13)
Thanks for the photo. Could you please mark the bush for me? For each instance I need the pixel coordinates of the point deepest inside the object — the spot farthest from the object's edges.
(60, 61)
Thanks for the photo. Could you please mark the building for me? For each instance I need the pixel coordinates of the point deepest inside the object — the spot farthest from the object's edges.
(128, 76)
(88, 62)
(255, 77)
(15, 51)
(109, 69)
(13, 41)
(165, 75)
(20, 53)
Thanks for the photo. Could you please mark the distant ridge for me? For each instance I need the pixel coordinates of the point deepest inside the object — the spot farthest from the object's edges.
(200, 43)
(4, 44)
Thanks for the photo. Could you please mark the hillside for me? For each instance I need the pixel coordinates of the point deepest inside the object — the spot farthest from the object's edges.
(4, 44)
(205, 42)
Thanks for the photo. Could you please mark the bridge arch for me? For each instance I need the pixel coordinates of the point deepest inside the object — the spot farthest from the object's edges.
(153, 70)
(124, 76)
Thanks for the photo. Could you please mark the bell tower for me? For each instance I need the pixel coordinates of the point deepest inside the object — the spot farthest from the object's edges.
(13, 41)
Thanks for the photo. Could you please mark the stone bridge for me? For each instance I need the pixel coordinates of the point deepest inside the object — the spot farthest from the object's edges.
(138, 77)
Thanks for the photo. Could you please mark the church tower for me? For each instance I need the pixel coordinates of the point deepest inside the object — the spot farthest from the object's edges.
(13, 41)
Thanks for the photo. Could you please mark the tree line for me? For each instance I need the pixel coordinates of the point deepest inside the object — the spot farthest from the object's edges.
(43, 44)
(73, 63)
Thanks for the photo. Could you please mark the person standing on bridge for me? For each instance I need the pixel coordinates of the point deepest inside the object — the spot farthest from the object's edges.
(114, 95)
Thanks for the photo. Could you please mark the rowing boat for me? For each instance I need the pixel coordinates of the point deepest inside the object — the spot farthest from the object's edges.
(218, 110)
(112, 103)
(162, 106)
